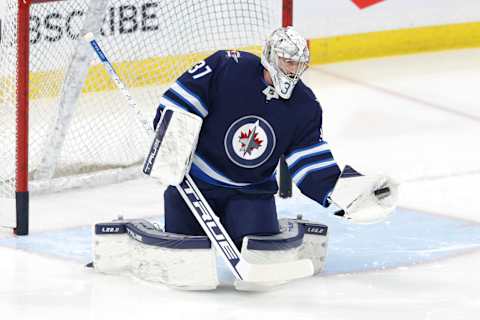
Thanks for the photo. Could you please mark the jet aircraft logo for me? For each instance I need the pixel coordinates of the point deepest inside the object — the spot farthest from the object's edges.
(249, 141)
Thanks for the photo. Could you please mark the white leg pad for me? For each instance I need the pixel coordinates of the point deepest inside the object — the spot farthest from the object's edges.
(297, 240)
(315, 245)
(178, 261)
(185, 269)
(111, 248)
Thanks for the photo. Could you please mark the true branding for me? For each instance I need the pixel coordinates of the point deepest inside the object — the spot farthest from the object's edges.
(211, 223)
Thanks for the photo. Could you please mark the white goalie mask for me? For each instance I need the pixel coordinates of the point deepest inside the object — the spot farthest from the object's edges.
(286, 57)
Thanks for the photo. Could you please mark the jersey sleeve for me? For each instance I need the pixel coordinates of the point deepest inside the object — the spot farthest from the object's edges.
(193, 89)
(311, 163)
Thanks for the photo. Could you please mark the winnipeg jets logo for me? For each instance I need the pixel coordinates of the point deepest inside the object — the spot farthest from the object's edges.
(249, 141)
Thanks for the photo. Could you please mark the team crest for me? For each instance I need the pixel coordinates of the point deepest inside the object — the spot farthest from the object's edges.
(249, 141)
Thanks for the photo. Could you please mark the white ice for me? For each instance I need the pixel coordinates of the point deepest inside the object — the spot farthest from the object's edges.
(414, 117)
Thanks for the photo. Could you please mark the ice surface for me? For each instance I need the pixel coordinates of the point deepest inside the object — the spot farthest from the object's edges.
(414, 117)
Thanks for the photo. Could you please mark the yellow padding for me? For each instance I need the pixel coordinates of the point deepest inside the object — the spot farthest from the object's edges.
(139, 73)
(395, 42)
(152, 71)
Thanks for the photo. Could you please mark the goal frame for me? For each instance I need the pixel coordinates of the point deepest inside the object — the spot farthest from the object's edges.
(22, 112)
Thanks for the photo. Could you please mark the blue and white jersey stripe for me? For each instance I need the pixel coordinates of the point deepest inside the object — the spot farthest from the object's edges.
(167, 102)
(299, 175)
(189, 98)
(306, 160)
(204, 171)
(306, 152)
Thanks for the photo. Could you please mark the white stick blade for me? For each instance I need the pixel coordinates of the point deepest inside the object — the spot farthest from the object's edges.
(276, 272)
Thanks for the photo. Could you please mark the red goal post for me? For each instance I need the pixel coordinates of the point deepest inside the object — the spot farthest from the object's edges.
(21, 226)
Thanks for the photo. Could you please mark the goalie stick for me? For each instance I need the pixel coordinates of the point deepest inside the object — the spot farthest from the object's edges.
(242, 270)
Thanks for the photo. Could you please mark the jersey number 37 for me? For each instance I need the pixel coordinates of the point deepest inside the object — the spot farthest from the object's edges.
(203, 69)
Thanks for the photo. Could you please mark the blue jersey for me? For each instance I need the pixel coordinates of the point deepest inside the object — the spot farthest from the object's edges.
(247, 127)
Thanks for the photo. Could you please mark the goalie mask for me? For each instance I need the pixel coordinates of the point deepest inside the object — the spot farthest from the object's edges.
(286, 57)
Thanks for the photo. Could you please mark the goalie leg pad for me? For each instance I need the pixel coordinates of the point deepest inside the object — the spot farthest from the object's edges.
(298, 239)
(111, 248)
(315, 244)
(170, 155)
(178, 261)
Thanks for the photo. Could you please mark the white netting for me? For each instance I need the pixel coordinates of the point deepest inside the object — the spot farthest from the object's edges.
(80, 125)
(7, 98)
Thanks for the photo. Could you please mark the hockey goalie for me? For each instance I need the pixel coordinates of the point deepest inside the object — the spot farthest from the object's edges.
(224, 124)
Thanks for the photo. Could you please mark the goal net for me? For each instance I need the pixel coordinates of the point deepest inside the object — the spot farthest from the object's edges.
(80, 130)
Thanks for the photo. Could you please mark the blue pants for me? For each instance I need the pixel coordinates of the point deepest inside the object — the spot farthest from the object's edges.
(241, 214)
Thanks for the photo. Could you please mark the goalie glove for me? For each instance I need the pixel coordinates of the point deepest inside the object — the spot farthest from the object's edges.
(364, 199)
